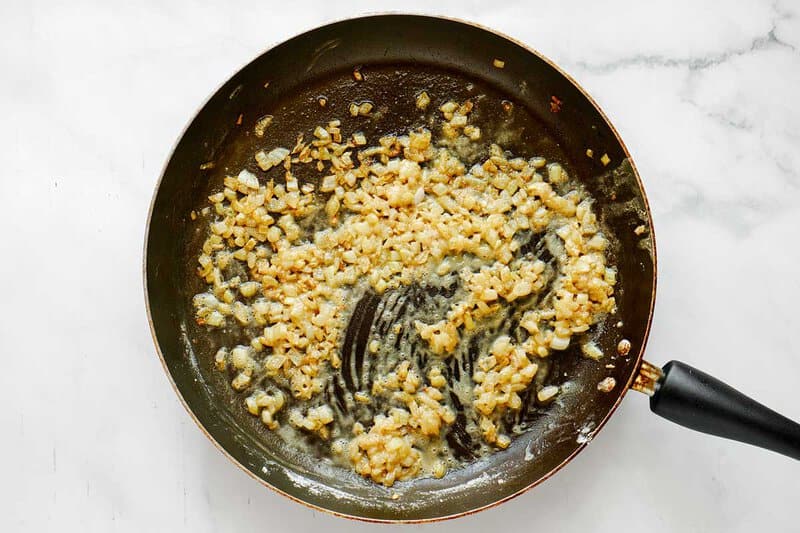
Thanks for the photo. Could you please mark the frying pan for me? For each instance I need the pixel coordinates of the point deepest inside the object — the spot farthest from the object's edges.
(540, 111)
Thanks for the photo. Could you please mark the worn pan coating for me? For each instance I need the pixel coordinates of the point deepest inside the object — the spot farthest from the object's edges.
(399, 55)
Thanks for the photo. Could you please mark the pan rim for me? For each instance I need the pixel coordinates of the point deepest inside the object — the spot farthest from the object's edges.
(600, 424)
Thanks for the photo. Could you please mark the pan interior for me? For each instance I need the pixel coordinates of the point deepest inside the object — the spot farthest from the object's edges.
(399, 56)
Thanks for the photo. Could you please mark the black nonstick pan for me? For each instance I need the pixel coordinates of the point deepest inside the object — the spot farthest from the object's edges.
(398, 56)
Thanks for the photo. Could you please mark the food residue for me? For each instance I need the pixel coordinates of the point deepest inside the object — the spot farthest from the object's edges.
(285, 262)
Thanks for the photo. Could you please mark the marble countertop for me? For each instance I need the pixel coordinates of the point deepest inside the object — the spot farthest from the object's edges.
(92, 97)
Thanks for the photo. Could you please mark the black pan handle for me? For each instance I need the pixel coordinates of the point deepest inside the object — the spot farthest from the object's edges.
(693, 399)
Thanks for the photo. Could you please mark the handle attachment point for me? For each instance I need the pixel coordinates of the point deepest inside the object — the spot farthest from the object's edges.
(647, 378)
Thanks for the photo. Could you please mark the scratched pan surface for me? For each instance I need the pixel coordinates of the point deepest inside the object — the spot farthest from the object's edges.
(399, 55)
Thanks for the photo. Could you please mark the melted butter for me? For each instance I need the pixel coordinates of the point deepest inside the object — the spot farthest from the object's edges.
(391, 324)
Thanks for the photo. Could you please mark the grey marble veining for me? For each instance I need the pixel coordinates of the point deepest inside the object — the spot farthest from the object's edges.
(93, 95)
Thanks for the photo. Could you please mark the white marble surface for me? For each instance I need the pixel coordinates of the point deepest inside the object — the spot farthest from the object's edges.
(92, 96)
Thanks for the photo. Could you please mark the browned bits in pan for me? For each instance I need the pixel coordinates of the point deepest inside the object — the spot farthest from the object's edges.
(298, 145)
(322, 101)
(262, 124)
(508, 106)
(365, 108)
(207, 165)
(360, 108)
(239, 119)
(607, 385)
(357, 75)
(624, 347)
(423, 100)
(555, 104)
